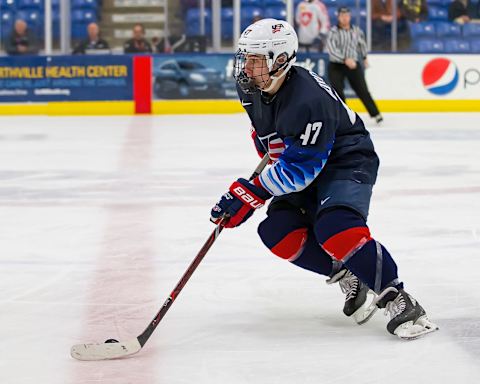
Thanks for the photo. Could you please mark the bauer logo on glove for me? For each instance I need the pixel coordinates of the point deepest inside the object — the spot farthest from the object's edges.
(238, 204)
(248, 199)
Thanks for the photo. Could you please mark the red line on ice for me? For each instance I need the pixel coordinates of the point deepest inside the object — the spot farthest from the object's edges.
(124, 275)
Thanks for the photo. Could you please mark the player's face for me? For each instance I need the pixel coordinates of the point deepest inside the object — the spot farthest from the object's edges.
(256, 68)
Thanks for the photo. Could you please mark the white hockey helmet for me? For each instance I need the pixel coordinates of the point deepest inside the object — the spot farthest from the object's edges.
(271, 38)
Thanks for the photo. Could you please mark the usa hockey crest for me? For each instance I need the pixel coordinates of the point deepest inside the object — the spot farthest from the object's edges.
(277, 28)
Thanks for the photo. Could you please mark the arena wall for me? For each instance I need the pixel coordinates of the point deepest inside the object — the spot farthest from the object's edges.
(124, 85)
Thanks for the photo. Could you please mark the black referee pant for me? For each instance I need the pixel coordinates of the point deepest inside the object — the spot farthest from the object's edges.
(337, 73)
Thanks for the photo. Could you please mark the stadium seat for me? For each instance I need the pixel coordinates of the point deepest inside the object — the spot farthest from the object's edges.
(227, 23)
(56, 14)
(347, 3)
(7, 6)
(193, 15)
(193, 29)
(251, 3)
(456, 46)
(247, 14)
(446, 29)
(277, 12)
(34, 19)
(332, 3)
(355, 11)
(437, 13)
(6, 23)
(332, 14)
(475, 46)
(84, 4)
(6, 17)
(56, 22)
(80, 20)
(274, 3)
(33, 5)
(227, 29)
(474, 9)
(423, 29)
(471, 30)
(429, 46)
(193, 22)
(79, 31)
(83, 16)
(227, 14)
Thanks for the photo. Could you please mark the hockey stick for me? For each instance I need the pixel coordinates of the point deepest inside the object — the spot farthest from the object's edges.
(112, 349)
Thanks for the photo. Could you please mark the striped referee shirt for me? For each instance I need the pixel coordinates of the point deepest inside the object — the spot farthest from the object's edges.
(346, 43)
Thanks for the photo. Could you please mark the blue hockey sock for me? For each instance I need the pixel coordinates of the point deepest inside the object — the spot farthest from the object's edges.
(374, 266)
(344, 235)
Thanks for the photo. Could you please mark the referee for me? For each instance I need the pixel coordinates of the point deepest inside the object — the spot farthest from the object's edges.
(346, 47)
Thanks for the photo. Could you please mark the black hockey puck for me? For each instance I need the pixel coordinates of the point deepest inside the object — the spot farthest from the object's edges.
(111, 341)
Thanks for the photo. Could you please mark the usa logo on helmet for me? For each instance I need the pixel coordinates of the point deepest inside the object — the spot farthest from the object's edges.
(440, 76)
(277, 28)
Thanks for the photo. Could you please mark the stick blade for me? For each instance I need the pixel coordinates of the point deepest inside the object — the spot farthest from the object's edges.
(105, 351)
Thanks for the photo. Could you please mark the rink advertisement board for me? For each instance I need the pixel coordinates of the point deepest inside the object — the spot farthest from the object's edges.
(424, 77)
(207, 76)
(65, 78)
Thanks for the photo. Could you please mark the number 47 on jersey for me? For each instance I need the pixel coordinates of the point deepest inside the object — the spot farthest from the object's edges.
(311, 133)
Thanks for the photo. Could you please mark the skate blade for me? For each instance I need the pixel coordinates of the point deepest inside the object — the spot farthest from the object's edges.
(410, 331)
(366, 311)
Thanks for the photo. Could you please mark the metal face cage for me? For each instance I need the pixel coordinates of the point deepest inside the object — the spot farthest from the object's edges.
(246, 71)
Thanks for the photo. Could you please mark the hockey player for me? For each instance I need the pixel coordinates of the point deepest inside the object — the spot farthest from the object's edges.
(323, 169)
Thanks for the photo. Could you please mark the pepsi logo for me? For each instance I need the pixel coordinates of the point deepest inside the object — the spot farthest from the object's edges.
(440, 76)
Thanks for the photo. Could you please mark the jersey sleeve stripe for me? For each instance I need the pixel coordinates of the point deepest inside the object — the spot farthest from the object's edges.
(283, 177)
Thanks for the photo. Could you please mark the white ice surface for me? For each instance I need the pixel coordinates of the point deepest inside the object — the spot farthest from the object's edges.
(99, 218)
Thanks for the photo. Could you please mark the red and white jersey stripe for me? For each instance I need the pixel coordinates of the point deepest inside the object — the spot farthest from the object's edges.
(276, 146)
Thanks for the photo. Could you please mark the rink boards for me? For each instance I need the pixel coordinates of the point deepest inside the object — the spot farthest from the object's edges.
(158, 85)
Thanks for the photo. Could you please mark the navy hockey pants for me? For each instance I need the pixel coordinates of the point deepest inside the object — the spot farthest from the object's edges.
(323, 228)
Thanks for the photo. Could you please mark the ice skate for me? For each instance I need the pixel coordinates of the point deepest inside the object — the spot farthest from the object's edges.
(378, 119)
(357, 302)
(408, 319)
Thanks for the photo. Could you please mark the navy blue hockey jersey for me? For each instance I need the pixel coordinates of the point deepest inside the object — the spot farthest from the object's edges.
(311, 133)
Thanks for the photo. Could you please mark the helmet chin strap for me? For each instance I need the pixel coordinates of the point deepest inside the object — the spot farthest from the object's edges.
(275, 79)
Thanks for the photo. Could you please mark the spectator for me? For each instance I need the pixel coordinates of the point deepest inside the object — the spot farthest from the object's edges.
(22, 41)
(414, 10)
(382, 18)
(461, 11)
(185, 5)
(93, 42)
(313, 24)
(347, 50)
(163, 44)
(138, 44)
